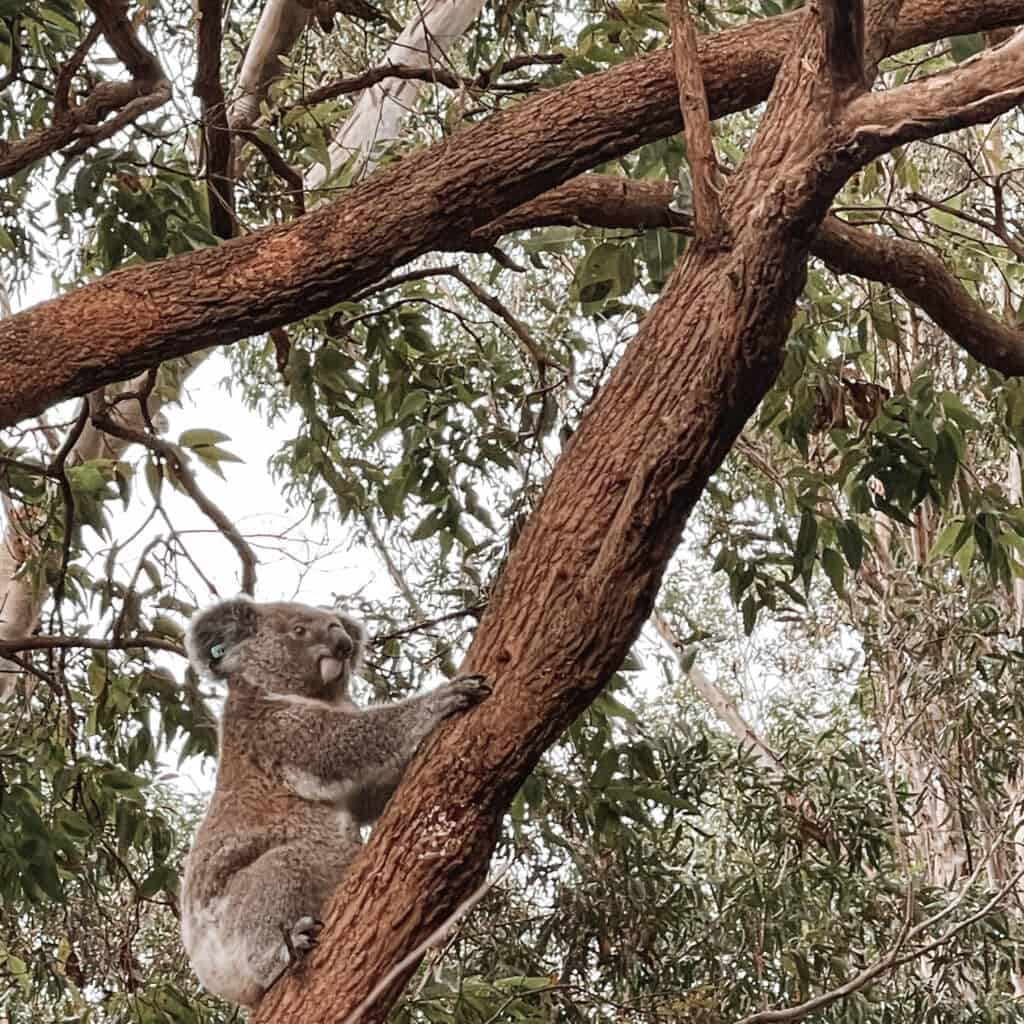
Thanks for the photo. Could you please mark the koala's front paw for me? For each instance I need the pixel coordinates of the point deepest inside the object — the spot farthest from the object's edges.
(303, 937)
(461, 693)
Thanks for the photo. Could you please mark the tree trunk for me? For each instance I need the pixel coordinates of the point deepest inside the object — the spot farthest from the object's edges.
(144, 315)
(584, 574)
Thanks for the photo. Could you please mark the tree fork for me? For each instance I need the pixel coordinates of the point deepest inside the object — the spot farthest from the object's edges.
(132, 319)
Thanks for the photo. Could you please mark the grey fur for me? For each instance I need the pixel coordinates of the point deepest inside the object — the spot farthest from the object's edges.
(300, 770)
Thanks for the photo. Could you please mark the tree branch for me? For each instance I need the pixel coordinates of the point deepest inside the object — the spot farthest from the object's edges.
(693, 105)
(601, 200)
(980, 89)
(82, 125)
(220, 188)
(432, 200)
(843, 24)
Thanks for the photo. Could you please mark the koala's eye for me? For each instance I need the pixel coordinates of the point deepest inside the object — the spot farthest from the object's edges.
(298, 630)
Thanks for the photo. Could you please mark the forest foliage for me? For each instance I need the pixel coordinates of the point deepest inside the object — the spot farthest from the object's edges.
(852, 580)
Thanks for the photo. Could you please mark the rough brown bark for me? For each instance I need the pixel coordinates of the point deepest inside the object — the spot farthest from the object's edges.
(138, 317)
(585, 571)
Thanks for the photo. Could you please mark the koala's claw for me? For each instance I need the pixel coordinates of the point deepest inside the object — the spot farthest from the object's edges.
(304, 936)
(474, 682)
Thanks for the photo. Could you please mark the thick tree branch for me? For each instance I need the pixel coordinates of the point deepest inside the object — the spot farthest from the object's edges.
(433, 200)
(601, 200)
(879, 23)
(843, 23)
(925, 281)
(693, 105)
(979, 89)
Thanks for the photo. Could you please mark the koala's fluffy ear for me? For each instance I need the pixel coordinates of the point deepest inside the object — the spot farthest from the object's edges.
(216, 631)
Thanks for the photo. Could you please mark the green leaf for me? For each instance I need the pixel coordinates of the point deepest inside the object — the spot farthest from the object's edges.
(851, 541)
(122, 781)
(963, 47)
(835, 569)
(201, 436)
(412, 405)
(807, 539)
(956, 531)
(964, 558)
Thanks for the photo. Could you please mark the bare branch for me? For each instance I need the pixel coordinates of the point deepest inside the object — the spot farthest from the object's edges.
(980, 89)
(693, 104)
(418, 73)
(70, 69)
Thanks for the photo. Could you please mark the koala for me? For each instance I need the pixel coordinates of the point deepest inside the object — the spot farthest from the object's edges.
(300, 770)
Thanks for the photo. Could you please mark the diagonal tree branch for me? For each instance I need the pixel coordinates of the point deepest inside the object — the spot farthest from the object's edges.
(432, 200)
(979, 89)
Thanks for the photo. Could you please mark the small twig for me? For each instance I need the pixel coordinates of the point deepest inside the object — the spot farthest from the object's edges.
(472, 611)
(277, 163)
(417, 952)
(491, 302)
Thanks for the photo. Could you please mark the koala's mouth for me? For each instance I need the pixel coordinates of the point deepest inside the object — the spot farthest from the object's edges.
(331, 669)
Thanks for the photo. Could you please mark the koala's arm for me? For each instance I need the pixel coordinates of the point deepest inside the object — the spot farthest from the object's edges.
(360, 754)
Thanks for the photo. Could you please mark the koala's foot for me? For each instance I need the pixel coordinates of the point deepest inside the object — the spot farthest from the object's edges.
(304, 935)
(461, 693)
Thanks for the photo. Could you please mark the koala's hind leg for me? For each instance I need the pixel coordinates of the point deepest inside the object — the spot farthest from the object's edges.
(276, 905)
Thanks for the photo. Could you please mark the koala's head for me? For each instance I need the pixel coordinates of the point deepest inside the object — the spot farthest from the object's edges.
(283, 647)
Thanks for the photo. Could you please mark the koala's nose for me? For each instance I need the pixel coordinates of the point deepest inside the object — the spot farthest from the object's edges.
(339, 638)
